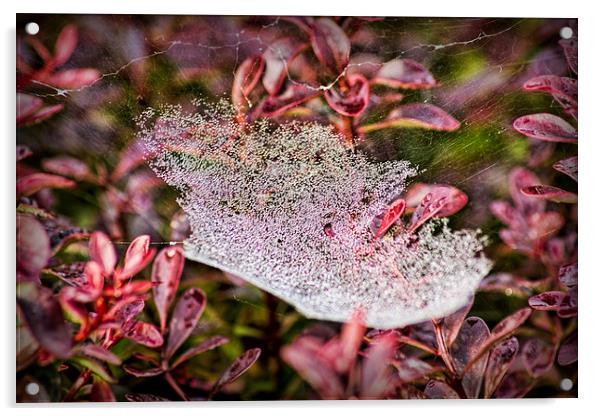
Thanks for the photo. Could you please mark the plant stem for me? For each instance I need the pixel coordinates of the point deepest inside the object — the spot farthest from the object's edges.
(443, 349)
(174, 385)
(81, 380)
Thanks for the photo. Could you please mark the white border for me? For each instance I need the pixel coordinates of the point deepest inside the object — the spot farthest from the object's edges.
(590, 159)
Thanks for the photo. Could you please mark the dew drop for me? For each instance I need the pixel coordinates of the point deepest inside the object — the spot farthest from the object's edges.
(566, 32)
(32, 28)
(32, 389)
(566, 384)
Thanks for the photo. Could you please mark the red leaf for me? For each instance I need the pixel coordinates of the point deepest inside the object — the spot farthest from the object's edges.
(125, 310)
(245, 79)
(102, 252)
(537, 357)
(547, 301)
(518, 179)
(471, 337)
(567, 166)
(550, 192)
(23, 152)
(544, 126)
(40, 115)
(75, 78)
(330, 44)
(404, 73)
(562, 88)
(151, 372)
(137, 256)
(567, 275)
(44, 317)
(27, 105)
(99, 352)
(570, 52)
(567, 353)
(186, 314)
(33, 248)
(94, 277)
(101, 392)
(206, 345)
(236, 369)
(166, 273)
(353, 99)
(416, 115)
(382, 222)
(440, 201)
(500, 360)
(292, 96)
(351, 339)
(145, 334)
(377, 378)
(65, 45)
(35, 182)
(67, 166)
(452, 323)
(278, 57)
(439, 390)
(506, 213)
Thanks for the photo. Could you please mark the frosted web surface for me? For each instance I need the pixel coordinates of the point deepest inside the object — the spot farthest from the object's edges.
(289, 209)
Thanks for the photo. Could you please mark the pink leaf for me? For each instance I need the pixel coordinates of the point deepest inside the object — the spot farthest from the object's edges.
(404, 73)
(330, 44)
(537, 357)
(30, 184)
(33, 248)
(185, 316)
(145, 334)
(351, 339)
(439, 390)
(44, 317)
(151, 372)
(500, 360)
(206, 345)
(506, 213)
(567, 275)
(471, 337)
(562, 88)
(416, 115)
(567, 353)
(75, 78)
(377, 380)
(353, 99)
(410, 369)
(292, 96)
(40, 115)
(567, 166)
(550, 192)
(245, 79)
(440, 201)
(65, 45)
(27, 105)
(236, 369)
(99, 352)
(23, 152)
(132, 157)
(278, 56)
(547, 301)
(102, 252)
(166, 273)
(137, 256)
(382, 222)
(544, 126)
(95, 278)
(518, 179)
(67, 166)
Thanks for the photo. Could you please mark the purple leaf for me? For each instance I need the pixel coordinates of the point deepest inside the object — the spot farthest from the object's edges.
(102, 252)
(185, 316)
(416, 115)
(570, 52)
(23, 152)
(452, 323)
(404, 73)
(27, 105)
(471, 337)
(67, 166)
(544, 126)
(537, 357)
(550, 192)
(382, 222)
(377, 379)
(75, 78)
(206, 345)
(236, 369)
(292, 96)
(410, 369)
(143, 397)
(65, 45)
(567, 275)
(500, 360)
(353, 99)
(44, 317)
(166, 273)
(330, 44)
(562, 88)
(30, 184)
(33, 248)
(515, 385)
(150, 372)
(101, 392)
(440, 201)
(278, 56)
(99, 352)
(520, 178)
(547, 301)
(567, 166)
(246, 77)
(567, 353)
(439, 390)
(145, 334)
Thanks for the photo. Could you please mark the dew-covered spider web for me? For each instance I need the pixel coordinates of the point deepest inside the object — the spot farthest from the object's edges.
(168, 62)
